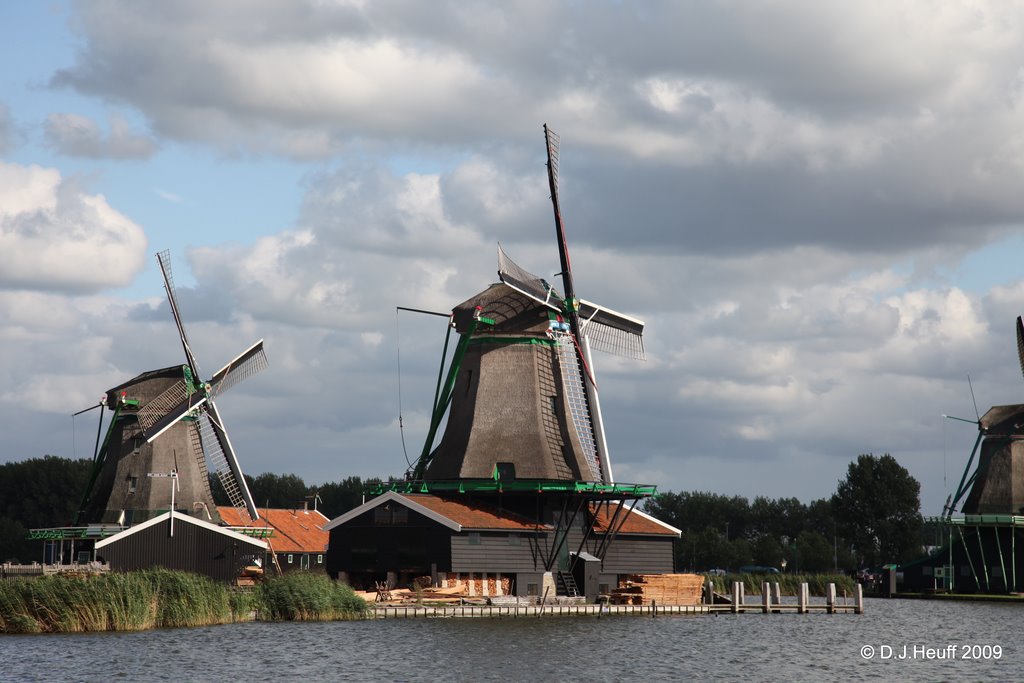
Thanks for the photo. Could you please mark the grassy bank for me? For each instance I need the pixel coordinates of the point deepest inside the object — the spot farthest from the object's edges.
(789, 584)
(160, 598)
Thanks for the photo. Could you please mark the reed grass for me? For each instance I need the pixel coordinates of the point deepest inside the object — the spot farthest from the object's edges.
(302, 596)
(789, 584)
(161, 598)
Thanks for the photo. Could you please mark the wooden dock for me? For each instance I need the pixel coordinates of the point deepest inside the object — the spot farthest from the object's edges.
(768, 602)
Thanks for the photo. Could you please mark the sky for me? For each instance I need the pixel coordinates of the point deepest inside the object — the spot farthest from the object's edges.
(816, 207)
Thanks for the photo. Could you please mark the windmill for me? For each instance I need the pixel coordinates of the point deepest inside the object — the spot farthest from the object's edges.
(996, 486)
(521, 387)
(166, 421)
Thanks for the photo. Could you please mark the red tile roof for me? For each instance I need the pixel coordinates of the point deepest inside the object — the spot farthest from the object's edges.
(295, 531)
(472, 515)
(634, 524)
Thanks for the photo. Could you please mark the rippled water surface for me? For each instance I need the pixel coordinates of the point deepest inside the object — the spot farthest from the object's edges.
(742, 647)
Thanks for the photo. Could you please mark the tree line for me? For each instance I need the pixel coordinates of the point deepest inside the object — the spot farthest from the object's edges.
(873, 518)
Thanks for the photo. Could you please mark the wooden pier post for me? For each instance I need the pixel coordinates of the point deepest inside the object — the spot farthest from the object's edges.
(859, 600)
(777, 593)
(709, 591)
(830, 598)
(801, 602)
(766, 597)
(736, 596)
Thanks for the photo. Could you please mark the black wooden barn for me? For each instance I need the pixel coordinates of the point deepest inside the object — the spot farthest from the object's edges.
(477, 542)
(179, 541)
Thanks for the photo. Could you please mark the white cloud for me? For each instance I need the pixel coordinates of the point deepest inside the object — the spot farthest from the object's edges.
(56, 237)
(6, 127)
(79, 136)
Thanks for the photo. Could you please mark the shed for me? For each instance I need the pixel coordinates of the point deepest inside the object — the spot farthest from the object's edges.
(178, 541)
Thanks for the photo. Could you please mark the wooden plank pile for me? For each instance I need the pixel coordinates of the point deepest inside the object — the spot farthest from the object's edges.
(406, 596)
(663, 589)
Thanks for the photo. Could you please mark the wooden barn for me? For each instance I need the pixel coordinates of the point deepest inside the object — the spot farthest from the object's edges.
(399, 537)
(180, 541)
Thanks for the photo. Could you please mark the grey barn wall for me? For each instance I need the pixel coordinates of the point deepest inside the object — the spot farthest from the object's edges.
(639, 555)
(629, 554)
(494, 553)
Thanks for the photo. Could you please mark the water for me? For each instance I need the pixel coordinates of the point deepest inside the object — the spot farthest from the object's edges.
(727, 647)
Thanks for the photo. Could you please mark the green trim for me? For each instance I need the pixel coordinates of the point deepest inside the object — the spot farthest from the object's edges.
(979, 520)
(66, 532)
(97, 465)
(516, 486)
(444, 400)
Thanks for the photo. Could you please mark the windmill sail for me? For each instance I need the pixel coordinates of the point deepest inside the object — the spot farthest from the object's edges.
(526, 282)
(246, 364)
(192, 397)
(574, 386)
(164, 259)
(222, 461)
(1020, 342)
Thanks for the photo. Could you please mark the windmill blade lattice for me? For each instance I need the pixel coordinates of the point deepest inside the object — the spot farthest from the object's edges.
(607, 330)
(164, 410)
(246, 364)
(209, 440)
(576, 398)
(164, 259)
(522, 280)
(612, 332)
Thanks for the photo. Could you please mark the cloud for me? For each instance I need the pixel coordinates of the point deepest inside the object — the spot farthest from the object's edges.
(781, 191)
(6, 127)
(885, 129)
(79, 136)
(56, 237)
(169, 196)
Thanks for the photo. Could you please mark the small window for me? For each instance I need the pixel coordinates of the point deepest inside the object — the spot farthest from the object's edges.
(133, 484)
(554, 405)
(388, 514)
(506, 471)
(474, 538)
(290, 558)
(319, 559)
(533, 589)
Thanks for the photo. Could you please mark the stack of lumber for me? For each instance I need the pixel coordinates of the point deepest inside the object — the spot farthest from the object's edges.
(663, 589)
(407, 596)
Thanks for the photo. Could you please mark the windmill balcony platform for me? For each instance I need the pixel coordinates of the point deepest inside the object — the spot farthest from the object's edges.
(594, 488)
